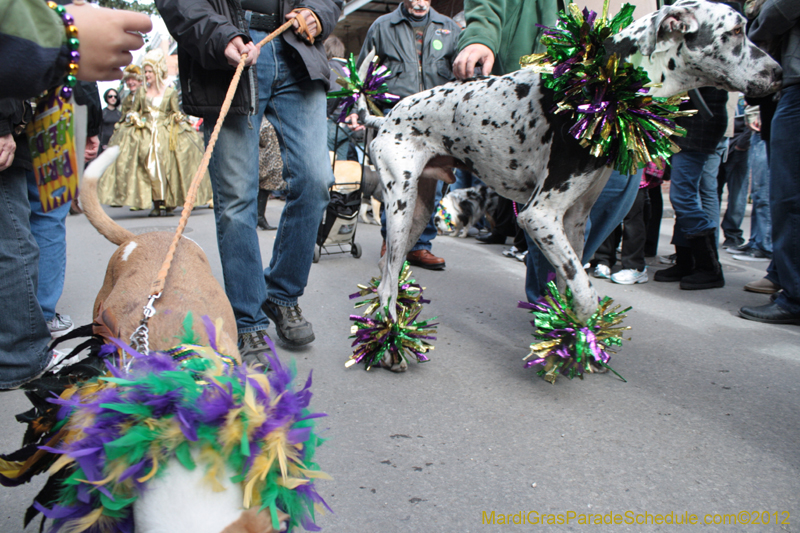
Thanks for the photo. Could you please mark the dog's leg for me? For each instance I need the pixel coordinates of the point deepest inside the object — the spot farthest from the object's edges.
(544, 219)
(376, 211)
(576, 216)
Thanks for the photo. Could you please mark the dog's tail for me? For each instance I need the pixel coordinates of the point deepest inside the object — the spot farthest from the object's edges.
(366, 118)
(91, 205)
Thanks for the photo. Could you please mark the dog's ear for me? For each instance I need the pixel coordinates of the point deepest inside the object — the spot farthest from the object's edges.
(669, 25)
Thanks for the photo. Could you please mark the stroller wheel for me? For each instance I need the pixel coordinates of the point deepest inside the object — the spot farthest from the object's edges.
(355, 249)
(317, 253)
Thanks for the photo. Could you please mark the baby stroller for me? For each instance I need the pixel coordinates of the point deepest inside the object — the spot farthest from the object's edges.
(337, 232)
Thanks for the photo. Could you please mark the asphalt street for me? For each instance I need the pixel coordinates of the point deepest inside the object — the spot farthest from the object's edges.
(707, 424)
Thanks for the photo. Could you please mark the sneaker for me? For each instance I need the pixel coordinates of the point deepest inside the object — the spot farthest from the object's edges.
(522, 257)
(602, 271)
(762, 286)
(60, 325)
(292, 328)
(667, 259)
(511, 252)
(252, 347)
(753, 254)
(738, 249)
(731, 243)
(630, 276)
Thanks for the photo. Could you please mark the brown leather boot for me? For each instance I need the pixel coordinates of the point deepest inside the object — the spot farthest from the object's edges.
(425, 259)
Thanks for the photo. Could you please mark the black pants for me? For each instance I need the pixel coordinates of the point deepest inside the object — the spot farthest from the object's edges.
(633, 235)
(653, 212)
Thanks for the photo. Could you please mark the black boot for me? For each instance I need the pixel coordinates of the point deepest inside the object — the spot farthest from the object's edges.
(707, 272)
(158, 209)
(263, 196)
(683, 266)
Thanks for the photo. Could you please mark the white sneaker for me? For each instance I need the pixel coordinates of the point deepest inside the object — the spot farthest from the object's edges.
(511, 252)
(521, 257)
(60, 325)
(630, 276)
(602, 271)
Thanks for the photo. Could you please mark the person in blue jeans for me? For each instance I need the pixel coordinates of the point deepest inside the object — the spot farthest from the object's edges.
(24, 335)
(50, 231)
(693, 194)
(778, 22)
(286, 82)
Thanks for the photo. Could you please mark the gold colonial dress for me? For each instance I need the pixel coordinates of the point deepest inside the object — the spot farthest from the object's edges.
(174, 153)
(126, 182)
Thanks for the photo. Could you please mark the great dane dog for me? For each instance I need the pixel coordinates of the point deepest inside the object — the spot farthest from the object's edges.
(500, 129)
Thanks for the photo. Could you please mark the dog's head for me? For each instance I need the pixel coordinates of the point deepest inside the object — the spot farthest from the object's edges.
(695, 43)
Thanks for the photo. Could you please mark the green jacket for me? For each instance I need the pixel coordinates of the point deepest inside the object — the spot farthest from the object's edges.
(33, 51)
(508, 28)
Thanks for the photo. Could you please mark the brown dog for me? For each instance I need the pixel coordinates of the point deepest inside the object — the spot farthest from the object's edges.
(190, 286)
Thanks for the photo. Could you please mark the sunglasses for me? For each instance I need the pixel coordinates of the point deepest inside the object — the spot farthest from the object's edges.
(113, 96)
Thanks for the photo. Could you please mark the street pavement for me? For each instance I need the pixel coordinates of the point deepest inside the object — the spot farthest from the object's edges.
(707, 422)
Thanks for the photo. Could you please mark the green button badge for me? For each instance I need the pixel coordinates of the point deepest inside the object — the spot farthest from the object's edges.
(437, 44)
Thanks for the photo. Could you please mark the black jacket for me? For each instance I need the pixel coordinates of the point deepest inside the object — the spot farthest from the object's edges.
(203, 28)
(704, 135)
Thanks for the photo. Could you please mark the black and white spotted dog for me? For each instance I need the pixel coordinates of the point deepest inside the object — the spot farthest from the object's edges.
(466, 207)
(501, 130)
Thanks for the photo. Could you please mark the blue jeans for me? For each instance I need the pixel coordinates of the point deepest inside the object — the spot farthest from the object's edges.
(338, 140)
(24, 336)
(784, 194)
(429, 233)
(735, 170)
(761, 217)
(607, 213)
(50, 231)
(464, 180)
(296, 107)
(693, 194)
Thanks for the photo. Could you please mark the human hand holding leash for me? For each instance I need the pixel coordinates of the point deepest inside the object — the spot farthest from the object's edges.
(305, 21)
(237, 48)
(471, 56)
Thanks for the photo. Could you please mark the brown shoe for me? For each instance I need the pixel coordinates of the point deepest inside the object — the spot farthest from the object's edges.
(383, 249)
(425, 259)
(762, 286)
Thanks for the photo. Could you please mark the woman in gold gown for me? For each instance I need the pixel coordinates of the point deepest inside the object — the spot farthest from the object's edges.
(175, 148)
(126, 182)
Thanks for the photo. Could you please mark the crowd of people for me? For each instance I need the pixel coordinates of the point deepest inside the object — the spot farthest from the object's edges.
(262, 147)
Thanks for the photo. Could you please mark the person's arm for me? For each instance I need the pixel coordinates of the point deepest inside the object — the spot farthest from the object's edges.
(33, 51)
(480, 41)
(202, 32)
(775, 18)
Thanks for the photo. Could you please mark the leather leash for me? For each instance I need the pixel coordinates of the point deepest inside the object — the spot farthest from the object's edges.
(139, 339)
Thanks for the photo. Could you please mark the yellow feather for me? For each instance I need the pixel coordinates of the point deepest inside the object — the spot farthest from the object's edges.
(78, 526)
(292, 483)
(60, 463)
(152, 472)
(10, 469)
